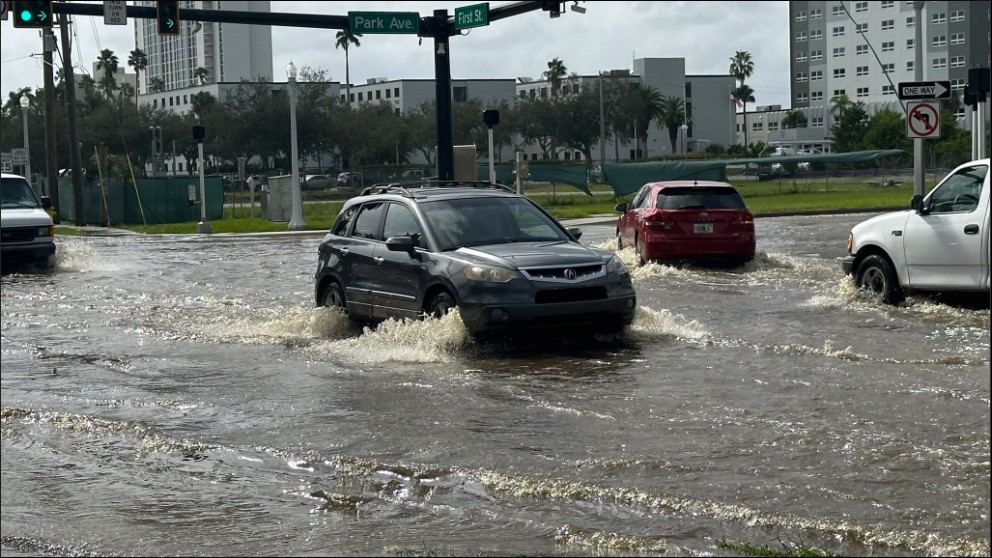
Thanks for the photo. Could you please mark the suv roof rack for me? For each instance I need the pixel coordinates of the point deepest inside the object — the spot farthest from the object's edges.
(405, 187)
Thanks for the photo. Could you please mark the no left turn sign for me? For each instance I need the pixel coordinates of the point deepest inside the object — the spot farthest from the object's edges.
(923, 120)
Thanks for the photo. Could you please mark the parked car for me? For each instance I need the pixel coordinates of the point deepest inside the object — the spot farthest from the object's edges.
(350, 178)
(421, 249)
(316, 181)
(940, 245)
(28, 234)
(682, 221)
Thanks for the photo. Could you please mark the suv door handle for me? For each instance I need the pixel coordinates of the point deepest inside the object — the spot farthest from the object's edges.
(378, 259)
(971, 229)
(344, 251)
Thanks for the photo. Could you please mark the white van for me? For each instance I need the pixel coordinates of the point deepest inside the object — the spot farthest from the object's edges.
(28, 232)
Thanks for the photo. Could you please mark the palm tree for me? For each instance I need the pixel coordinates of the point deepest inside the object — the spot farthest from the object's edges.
(793, 119)
(554, 74)
(742, 67)
(200, 74)
(344, 39)
(139, 61)
(672, 115)
(156, 85)
(647, 106)
(109, 63)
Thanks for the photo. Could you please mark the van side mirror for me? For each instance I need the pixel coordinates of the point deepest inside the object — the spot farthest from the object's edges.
(46, 202)
(621, 207)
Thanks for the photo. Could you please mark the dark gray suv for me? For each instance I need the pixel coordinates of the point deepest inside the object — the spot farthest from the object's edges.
(409, 250)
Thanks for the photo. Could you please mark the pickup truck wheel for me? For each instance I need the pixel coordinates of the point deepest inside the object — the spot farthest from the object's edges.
(876, 278)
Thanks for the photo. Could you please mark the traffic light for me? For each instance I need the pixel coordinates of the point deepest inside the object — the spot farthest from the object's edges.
(32, 14)
(553, 8)
(168, 17)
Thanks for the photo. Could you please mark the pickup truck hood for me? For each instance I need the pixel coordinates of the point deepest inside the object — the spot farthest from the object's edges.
(886, 221)
(533, 254)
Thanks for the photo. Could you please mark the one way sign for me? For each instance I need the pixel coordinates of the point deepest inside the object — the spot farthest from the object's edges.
(924, 90)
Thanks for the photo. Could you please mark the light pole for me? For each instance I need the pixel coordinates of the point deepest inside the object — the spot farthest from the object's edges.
(685, 130)
(602, 125)
(25, 105)
(199, 132)
(297, 222)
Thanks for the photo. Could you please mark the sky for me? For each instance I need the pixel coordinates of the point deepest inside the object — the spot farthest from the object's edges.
(609, 35)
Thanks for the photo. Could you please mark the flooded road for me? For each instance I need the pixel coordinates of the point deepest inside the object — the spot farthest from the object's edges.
(184, 396)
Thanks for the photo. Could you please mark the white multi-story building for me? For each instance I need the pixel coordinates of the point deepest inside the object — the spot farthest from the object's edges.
(203, 54)
(864, 49)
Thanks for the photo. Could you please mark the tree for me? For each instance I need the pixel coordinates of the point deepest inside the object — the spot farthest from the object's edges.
(200, 74)
(672, 115)
(554, 74)
(344, 39)
(742, 67)
(139, 61)
(794, 119)
(108, 63)
(156, 85)
(850, 124)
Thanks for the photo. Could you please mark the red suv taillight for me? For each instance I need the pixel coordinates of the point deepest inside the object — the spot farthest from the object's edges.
(661, 219)
(745, 219)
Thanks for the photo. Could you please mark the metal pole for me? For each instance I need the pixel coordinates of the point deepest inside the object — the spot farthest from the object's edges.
(492, 163)
(918, 69)
(75, 157)
(602, 125)
(297, 222)
(203, 226)
(981, 147)
(50, 141)
(27, 146)
(519, 180)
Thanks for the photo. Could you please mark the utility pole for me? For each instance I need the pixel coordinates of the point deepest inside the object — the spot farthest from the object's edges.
(51, 161)
(918, 70)
(438, 25)
(74, 155)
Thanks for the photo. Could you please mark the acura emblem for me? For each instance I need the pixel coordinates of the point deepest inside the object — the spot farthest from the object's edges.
(570, 274)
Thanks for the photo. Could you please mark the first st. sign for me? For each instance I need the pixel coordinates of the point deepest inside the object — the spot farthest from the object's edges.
(384, 22)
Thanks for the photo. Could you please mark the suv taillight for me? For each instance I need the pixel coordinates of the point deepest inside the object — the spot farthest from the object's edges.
(660, 219)
(745, 219)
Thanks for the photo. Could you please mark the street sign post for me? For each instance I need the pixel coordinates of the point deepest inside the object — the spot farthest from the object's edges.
(384, 22)
(476, 15)
(924, 90)
(115, 12)
(923, 120)
(19, 156)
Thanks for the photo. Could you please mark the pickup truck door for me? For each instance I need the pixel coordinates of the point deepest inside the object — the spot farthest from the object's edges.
(946, 245)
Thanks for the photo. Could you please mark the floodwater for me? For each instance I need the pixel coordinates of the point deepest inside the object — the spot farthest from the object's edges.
(184, 396)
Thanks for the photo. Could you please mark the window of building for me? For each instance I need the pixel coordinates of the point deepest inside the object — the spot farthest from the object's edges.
(838, 31)
(816, 122)
(939, 18)
(862, 70)
(396, 92)
(861, 49)
(816, 34)
(801, 56)
(816, 75)
(957, 15)
(757, 126)
(816, 96)
(801, 15)
(815, 55)
(378, 94)
(939, 63)
(910, 43)
(861, 6)
(154, 103)
(862, 28)
(888, 24)
(888, 46)
(839, 92)
(351, 98)
(815, 13)
(839, 73)
(957, 61)
(802, 98)
(887, 4)
(889, 68)
(360, 96)
(772, 126)
(939, 40)
(839, 52)
(957, 38)
(910, 21)
(909, 66)
(389, 93)
(800, 36)
(460, 94)
(801, 77)
(888, 90)
(957, 83)
(862, 92)
(837, 10)
(185, 99)
(343, 100)
(170, 101)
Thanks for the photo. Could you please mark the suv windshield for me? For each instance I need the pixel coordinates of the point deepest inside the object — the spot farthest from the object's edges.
(16, 192)
(700, 198)
(478, 221)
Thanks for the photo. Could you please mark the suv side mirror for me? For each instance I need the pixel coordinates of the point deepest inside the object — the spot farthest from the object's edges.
(621, 207)
(399, 244)
(917, 203)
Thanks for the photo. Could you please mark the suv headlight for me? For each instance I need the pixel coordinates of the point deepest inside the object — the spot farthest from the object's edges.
(490, 273)
(615, 265)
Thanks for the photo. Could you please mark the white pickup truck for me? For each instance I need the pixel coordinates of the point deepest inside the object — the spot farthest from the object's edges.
(940, 245)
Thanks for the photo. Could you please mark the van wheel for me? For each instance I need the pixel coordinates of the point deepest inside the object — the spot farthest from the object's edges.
(876, 278)
(440, 305)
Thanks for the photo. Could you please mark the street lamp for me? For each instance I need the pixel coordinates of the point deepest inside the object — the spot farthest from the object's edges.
(25, 105)
(602, 125)
(685, 130)
(297, 222)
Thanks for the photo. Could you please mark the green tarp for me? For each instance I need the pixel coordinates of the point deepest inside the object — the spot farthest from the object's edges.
(573, 175)
(162, 200)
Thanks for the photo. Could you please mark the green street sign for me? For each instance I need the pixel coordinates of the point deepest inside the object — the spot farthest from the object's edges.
(384, 22)
(476, 15)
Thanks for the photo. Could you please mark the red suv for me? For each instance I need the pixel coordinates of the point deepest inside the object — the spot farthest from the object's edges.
(687, 221)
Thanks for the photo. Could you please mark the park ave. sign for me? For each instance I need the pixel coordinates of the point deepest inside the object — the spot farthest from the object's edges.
(918, 90)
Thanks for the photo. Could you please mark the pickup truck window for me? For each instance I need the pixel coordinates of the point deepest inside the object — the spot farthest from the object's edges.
(960, 192)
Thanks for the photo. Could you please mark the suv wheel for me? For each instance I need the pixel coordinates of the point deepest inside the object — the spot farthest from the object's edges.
(876, 278)
(334, 298)
(440, 305)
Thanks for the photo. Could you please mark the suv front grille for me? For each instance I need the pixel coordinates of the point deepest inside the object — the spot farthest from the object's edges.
(582, 272)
